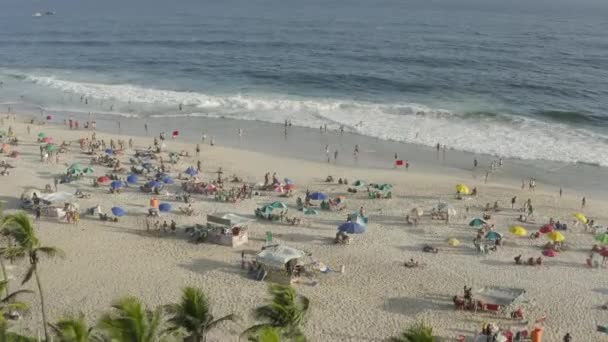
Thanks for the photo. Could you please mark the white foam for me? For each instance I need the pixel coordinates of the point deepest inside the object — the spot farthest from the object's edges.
(511, 137)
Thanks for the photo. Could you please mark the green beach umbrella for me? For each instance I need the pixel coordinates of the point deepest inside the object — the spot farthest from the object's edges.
(41, 135)
(88, 170)
(477, 222)
(359, 183)
(602, 238)
(52, 148)
(278, 205)
(310, 211)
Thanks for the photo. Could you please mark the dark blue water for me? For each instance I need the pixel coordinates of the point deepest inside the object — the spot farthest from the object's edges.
(524, 79)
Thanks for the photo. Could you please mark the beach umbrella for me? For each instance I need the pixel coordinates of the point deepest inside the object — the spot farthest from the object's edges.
(52, 148)
(290, 186)
(288, 181)
(109, 151)
(548, 228)
(47, 140)
(118, 212)
(453, 242)
(75, 168)
(175, 133)
(602, 238)
(164, 207)
(278, 205)
(581, 217)
(462, 189)
(359, 183)
(167, 180)
(116, 184)
(318, 196)
(191, 171)
(88, 170)
(556, 236)
(352, 228)
(310, 211)
(477, 222)
(518, 230)
(385, 187)
(550, 253)
(492, 235)
(418, 212)
(41, 135)
(103, 179)
(132, 179)
(154, 184)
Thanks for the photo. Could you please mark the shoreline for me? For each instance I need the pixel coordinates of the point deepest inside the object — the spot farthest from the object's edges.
(308, 144)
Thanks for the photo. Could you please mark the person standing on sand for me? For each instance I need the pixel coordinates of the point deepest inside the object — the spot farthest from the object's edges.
(475, 163)
(356, 152)
(523, 184)
(146, 128)
(198, 150)
(513, 200)
(583, 203)
(327, 152)
(486, 178)
(336, 156)
(560, 192)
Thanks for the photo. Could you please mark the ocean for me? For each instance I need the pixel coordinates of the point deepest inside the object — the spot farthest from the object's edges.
(517, 79)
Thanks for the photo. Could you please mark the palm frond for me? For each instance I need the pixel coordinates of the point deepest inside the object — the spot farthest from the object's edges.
(12, 295)
(28, 274)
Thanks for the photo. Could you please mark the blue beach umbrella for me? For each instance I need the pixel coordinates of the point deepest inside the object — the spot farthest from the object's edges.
(191, 171)
(493, 236)
(164, 207)
(318, 196)
(116, 184)
(132, 179)
(109, 151)
(118, 212)
(167, 180)
(154, 184)
(352, 228)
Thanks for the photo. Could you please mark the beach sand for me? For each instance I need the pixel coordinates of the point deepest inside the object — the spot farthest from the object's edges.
(375, 298)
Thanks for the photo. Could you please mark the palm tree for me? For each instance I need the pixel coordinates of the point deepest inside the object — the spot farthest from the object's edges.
(8, 303)
(131, 321)
(419, 332)
(267, 334)
(193, 314)
(286, 311)
(20, 229)
(5, 335)
(73, 329)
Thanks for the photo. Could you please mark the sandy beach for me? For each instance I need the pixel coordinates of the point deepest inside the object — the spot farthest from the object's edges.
(376, 297)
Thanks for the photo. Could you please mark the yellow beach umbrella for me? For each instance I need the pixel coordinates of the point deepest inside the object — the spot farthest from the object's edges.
(453, 242)
(581, 217)
(556, 236)
(519, 231)
(462, 189)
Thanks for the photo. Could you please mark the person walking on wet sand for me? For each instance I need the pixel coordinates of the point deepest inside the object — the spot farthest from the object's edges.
(513, 200)
(560, 192)
(336, 156)
(583, 203)
(327, 153)
(198, 150)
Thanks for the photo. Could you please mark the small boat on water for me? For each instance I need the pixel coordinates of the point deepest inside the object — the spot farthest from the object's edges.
(42, 14)
(37, 14)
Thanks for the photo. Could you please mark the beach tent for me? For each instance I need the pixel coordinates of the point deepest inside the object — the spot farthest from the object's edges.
(352, 228)
(602, 238)
(118, 212)
(453, 242)
(278, 256)
(60, 196)
(116, 184)
(477, 222)
(418, 212)
(164, 207)
(548, 228)
(318, 196)
(582, 218)
(462, 189)
(492, 235)
(132, 179)
(556, 237)
(278, 205)
(103, 179)
(518, 230)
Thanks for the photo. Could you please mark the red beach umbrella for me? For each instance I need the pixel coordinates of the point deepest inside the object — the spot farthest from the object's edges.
(548, 228)
(103, 179)
(550, 253)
